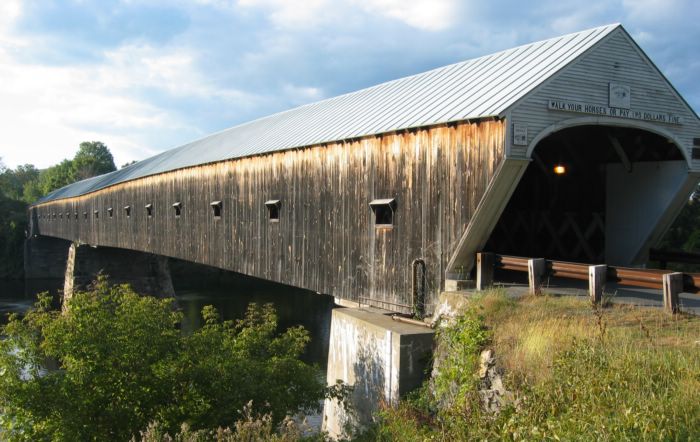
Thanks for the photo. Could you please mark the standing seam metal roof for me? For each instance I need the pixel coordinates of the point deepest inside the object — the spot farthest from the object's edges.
(482, 87)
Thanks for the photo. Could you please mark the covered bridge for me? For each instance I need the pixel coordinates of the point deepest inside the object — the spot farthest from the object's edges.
(576, 148)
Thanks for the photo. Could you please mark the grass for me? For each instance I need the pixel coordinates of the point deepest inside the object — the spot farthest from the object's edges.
(577, 373)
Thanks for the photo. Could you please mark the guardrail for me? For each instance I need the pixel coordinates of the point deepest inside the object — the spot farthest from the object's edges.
(671, 283)
(677, 256)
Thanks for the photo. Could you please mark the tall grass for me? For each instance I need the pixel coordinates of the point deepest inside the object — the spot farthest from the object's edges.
(577, 373)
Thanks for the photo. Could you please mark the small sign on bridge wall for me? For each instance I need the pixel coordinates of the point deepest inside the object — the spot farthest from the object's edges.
(519, 134)
(619, 96)
(607, 111)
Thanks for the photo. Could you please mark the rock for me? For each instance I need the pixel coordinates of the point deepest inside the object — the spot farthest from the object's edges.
(493, 393)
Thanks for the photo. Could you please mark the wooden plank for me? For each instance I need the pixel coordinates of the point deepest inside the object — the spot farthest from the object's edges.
(597, 276)
(672, 286)
(325, 239)
(536, 269)
(485, 263)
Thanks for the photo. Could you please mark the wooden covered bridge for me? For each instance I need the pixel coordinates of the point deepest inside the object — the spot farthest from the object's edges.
(574, 148)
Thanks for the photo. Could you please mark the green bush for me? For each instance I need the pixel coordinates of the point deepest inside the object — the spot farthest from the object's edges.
(120, 363)
(618, 374)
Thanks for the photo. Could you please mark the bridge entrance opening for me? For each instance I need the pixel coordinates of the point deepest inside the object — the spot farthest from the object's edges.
(591, 194)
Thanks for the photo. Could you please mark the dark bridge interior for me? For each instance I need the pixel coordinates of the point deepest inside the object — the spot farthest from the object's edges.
(563, 216)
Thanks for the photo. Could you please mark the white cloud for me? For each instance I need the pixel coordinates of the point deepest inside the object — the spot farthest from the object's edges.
(294, 14)
(428, 15)
(47, 110)
(654, 11)
(299, 95)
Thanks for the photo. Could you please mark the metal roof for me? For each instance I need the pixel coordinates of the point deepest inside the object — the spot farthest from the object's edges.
(482, 87)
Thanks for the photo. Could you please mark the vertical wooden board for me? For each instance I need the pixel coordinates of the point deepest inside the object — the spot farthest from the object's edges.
(326, 239)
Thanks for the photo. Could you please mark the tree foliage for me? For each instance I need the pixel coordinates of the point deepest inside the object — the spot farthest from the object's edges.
(93, 158)
(122, 363)
(13, 224)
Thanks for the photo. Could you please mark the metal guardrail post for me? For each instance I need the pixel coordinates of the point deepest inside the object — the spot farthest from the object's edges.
(596, 281)
(672, 285)
(536, 269)
(485, 263)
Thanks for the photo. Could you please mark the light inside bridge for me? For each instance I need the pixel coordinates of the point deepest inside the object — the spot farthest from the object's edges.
(559, 169)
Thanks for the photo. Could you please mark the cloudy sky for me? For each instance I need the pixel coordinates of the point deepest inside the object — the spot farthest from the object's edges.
(147, 75)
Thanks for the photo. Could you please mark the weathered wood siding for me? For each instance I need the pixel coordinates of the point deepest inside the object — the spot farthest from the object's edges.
(325, 239)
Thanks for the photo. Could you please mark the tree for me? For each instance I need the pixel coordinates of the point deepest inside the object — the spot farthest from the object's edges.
(12, 182)
(12, 226)
(122, 363)
(93, 158)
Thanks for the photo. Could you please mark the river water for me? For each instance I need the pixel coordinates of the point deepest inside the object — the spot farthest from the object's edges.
(231, 298)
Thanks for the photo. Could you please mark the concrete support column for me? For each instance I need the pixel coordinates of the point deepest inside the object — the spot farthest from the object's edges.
(383, 359)
(148, 274)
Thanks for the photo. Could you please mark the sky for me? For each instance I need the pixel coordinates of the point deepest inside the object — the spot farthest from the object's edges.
(144, 76)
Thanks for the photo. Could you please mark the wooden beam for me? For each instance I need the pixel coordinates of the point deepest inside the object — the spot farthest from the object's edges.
(620, 152)
(596, 282)
(484, 270)
(673, 285)
(536, 268)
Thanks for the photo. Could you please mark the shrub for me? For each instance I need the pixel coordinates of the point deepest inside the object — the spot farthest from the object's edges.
(120, 362)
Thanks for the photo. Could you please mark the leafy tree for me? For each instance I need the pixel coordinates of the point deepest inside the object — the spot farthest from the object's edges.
(93, 158)
(12, 226)
(12, 182)
(49, 180)
(122, 363)
(127, 164)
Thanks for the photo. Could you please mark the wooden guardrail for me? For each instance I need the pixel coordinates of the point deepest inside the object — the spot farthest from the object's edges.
(677, 256)
(671, 283)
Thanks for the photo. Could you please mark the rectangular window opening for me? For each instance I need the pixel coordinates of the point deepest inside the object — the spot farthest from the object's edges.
(110, 212)
(149, 210)
(383, 212)
(216, 208)
(84, 215)
(127, 211)
(67, 215)
(97, 213)
(76, 216)
(178, 209)
(273, 210)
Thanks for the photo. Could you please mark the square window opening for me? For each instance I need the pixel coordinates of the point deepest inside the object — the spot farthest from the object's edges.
(273, 210)
(383, 212)
(216, 209)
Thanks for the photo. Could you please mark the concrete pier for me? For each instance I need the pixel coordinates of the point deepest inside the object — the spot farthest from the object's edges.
(45, 257)
(147, 274)
(381, 358)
